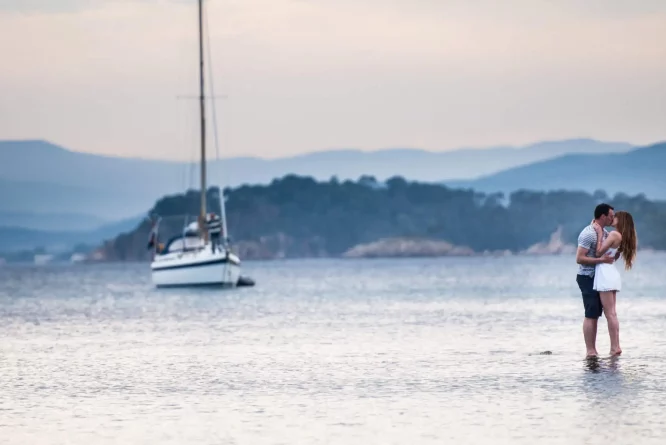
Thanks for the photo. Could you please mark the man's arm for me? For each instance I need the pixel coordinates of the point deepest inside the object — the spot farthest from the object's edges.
(587, 240)
(590, 261)
(600, 236)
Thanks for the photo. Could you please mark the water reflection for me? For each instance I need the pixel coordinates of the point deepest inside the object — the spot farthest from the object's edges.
(599, 364)
(615, 401)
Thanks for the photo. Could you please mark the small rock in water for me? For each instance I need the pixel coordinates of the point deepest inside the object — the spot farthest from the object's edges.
(545, 353)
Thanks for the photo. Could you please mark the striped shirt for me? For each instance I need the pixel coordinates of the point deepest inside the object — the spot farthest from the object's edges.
(588, 240)
(214, 225)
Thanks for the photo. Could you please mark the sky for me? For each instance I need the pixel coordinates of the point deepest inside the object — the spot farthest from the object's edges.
(119, 77)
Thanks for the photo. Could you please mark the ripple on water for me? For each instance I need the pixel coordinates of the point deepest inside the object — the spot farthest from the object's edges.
(423, 351)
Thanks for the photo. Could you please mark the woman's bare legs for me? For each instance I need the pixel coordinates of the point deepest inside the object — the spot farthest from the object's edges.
(608, 300)
(619, 349)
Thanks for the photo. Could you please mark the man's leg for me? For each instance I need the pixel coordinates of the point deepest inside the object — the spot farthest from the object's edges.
(593, 310)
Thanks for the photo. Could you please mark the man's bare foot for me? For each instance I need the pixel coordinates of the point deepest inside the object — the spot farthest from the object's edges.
(616, 351)
(592, 354)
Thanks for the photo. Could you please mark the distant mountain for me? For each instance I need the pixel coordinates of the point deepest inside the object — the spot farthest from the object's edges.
(638, 171)
(19, 238)
(50, 221)
(415, 164)
(110, 202)
(39, 177)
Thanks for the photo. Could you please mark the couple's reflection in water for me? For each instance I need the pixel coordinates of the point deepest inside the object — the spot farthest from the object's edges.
(606, 364)
(611, 399)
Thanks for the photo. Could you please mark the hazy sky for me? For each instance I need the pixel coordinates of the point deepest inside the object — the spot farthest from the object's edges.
(104, 76)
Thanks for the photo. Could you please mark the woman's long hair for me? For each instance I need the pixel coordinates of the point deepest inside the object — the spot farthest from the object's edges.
(628, 245)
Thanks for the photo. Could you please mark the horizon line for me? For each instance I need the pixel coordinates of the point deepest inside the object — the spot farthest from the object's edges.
(338, 150)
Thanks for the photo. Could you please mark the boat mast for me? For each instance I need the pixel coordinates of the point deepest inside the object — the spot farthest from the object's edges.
(223, 212)
(202, 212)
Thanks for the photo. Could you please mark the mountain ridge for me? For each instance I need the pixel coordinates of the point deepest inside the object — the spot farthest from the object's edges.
(37, 176)
(638, 171)
(14, 238)
(47, 146)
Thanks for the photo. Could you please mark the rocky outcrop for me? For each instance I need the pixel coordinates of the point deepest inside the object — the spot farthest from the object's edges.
(497, 253)
(405, 247)
(280, 246)
(555, 246)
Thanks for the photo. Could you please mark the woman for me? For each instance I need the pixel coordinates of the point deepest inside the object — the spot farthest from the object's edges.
(607, 280)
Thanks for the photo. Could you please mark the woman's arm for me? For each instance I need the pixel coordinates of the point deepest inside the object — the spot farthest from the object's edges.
(600, 236)
(612, 237)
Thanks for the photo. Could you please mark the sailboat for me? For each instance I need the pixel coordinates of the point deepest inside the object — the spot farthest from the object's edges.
(194, 258)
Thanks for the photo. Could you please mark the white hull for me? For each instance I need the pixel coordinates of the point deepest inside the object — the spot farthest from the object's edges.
(201, 267)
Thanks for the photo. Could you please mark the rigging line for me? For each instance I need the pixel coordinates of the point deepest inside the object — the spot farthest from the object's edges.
(190, 162)
(190, 165)
(215, 134)
(212, 88)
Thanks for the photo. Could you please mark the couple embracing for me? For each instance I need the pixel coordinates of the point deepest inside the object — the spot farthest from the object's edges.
(598, 278)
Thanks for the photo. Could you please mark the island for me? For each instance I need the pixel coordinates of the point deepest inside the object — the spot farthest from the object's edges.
(299, 217)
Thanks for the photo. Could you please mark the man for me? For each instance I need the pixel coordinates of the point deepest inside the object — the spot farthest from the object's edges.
(214, 229)
(586, 257)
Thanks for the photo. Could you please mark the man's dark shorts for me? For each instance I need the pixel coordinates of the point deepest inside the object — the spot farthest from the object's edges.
(591, 298)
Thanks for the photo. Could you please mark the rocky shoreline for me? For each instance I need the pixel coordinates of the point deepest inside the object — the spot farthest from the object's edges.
(410, 247)
(273, 248)
(406, 247)
(276, 247)
(384, 248)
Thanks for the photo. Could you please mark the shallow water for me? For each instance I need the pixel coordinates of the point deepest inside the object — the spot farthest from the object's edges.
(329, 352)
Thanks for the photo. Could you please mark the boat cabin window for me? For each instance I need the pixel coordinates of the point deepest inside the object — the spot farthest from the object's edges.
(187, 243)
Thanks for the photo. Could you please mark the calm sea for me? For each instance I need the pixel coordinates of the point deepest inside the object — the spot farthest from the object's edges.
(329, 352)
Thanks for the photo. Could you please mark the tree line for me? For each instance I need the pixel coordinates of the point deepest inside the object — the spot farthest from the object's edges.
(333, 216)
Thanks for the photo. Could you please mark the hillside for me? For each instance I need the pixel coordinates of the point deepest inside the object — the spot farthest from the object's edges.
(18, 239)
(50, 221)
(36, 176)
(637, 171)
(300, 217)
(39, 177)
(105, 201)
